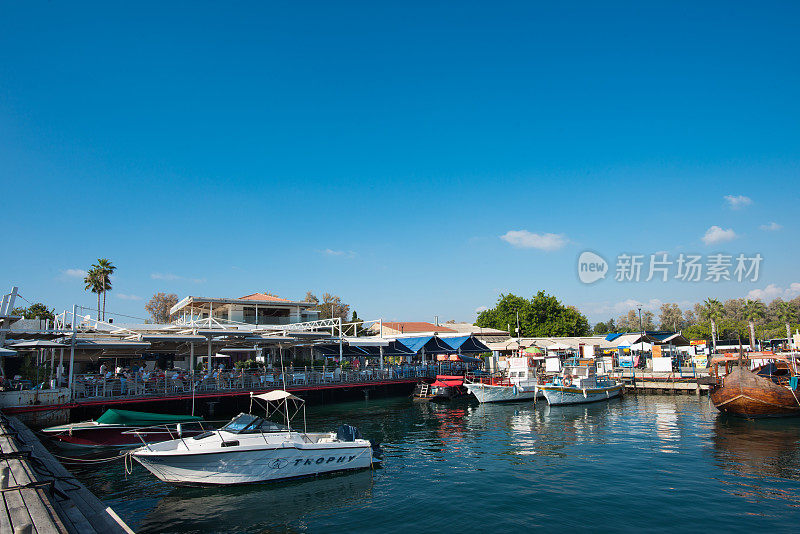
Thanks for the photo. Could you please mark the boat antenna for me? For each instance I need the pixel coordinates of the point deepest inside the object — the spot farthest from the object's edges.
(283, 380)
(741, 349)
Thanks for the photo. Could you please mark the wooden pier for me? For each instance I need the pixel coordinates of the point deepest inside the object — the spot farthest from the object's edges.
(40, 496)
(665, 383)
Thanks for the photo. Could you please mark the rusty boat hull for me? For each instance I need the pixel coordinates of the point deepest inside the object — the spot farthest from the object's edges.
(745, 394)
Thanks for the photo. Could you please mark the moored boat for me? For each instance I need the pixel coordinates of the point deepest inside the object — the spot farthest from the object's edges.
(518, 383)
(580, 385)
(115, 428)
(769, 390)
(254, 449)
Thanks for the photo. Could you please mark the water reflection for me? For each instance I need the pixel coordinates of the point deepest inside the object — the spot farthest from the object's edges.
(256, 507)
(764, 447)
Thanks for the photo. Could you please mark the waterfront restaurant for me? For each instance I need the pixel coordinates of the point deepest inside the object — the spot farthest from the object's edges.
(256, 309)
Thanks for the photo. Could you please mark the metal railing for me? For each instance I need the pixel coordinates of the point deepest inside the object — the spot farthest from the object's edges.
(93, 386)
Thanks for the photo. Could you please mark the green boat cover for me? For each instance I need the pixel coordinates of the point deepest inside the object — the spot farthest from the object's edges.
(114, 416)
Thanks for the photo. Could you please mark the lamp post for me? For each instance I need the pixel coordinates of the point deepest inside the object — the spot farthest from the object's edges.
(641, 331)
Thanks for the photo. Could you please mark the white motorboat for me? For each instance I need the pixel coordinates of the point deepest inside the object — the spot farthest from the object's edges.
(516, 383)
(579, 385)
(254, 449)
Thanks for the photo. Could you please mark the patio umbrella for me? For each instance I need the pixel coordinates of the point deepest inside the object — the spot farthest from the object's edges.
(533, 350)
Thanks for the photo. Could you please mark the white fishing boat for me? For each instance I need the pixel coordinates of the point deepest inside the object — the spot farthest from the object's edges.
(579, 385)
(254, 449)
(516, 383)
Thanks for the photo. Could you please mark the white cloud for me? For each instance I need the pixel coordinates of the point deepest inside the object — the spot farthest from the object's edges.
(123, 296)
(480, 309)
(715, 234)
(771, 227)
(736, 202)
(773, 291)
(338, 253)
(173, 277)
(74, 273)
(164, 276)
(526, 239)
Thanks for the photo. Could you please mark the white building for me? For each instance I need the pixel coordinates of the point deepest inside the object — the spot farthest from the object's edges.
(257, 309)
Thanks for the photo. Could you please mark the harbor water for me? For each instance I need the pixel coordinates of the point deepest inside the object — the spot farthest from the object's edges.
(661, 463)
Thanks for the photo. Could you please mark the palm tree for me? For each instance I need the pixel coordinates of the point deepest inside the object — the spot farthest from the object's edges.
(712, 310)
(787, 313)
(93, 284)
(754, 310)
(105, 269)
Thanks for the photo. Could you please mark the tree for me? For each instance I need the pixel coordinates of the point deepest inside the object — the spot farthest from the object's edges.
(158, 307)
(35, 311)
(712, 310)
(332, 307)
(632, 323)
(753, 310)
(311, 297)
(104, 269)
(671, 317)
(786, 313)
(504, 315)
(690, 317)
(93, 283)
(600, 328)
(541, 316)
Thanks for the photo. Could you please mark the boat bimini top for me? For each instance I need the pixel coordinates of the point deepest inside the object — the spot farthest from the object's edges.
(273, 402)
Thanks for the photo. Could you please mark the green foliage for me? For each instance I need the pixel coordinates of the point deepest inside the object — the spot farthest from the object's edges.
(34, 311)
(246, 364)
(541, 316)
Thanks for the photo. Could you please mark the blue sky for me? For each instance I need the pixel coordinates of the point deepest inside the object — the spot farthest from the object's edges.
(380, 151)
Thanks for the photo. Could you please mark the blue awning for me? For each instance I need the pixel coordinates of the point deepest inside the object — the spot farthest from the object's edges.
(414, 344)
(466, 344)
(455, 342)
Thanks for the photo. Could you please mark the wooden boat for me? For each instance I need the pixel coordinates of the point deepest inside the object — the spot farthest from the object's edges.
(756, 393)
(517, 383)
(580, 385)
(115, 428)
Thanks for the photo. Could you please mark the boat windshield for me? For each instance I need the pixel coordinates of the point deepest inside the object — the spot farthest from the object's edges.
(249, 424)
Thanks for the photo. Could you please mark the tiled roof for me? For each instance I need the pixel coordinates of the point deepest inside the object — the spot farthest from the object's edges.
(408, 327)
(264, 296)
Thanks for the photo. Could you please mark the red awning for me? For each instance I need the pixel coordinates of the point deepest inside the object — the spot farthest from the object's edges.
(448, 381)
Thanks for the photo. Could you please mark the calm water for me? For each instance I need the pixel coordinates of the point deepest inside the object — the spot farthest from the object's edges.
(661, 463)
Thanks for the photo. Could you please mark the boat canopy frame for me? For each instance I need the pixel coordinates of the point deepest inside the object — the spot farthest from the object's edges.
(279, 400)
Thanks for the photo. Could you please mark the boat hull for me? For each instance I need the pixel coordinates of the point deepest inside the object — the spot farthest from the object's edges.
(560, 395)
(745, 394)
(252, 465)
(490, 393)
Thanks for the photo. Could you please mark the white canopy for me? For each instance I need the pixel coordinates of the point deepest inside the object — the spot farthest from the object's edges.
(558, 346)
(275, 395)
(367, 341)
(39, 344)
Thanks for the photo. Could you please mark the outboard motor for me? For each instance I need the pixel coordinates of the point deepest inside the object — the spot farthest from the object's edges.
(347, 433)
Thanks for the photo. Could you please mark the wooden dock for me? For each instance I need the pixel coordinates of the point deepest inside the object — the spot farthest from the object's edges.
(39, 495)
(665, 383)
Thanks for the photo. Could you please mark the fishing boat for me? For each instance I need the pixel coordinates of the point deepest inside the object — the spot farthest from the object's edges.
(767, 390)
(252, 449)
(517, 383)
(444, 388)
(115, 428)
(579, 385)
